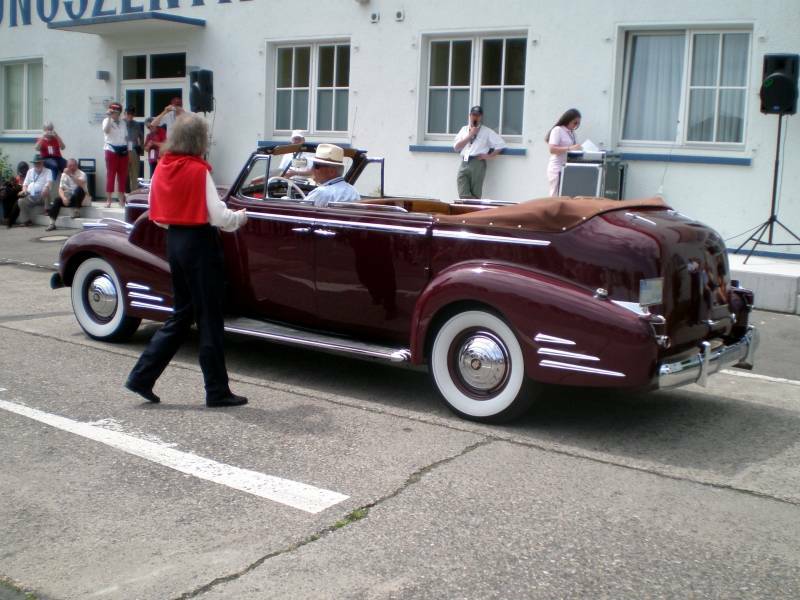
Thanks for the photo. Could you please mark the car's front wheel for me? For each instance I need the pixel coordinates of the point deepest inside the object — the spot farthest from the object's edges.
(477, 365)
(98, 303)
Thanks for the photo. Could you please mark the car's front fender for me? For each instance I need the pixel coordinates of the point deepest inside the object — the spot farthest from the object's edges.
(568, 335)
(132, 264)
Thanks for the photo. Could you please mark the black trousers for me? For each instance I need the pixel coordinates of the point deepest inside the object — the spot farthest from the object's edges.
(75, 201)
(198, 280)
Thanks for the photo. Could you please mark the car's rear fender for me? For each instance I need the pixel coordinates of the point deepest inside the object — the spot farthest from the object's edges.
(568, 336)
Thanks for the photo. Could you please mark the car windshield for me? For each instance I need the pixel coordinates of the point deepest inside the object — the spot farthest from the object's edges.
(265, 175)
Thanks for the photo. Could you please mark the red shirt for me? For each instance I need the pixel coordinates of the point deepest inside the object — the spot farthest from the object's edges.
(158, 136)
(178, 190)
(49, 147)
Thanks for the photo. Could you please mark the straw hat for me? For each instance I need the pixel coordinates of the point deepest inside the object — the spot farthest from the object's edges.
(328, 154)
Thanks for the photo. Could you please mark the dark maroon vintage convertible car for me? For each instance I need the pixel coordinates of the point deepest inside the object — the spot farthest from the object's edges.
(496, 299)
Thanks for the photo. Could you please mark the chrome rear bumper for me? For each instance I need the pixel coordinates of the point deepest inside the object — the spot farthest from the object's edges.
(697, 368)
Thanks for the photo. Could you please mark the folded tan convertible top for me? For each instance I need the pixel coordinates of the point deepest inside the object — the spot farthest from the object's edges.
(548, 214)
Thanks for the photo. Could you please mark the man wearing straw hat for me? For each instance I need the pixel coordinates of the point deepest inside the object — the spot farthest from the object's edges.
(328, 169)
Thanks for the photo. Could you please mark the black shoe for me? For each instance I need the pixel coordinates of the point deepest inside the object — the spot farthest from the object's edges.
(146, 394)
(232, 400)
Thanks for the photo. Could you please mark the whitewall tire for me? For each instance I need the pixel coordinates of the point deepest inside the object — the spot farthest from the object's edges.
(477, 365)
(98, 302)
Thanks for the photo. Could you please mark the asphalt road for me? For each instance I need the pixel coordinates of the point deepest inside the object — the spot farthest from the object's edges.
(691, 493)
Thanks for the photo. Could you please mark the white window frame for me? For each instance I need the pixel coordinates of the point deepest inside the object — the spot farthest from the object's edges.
(33, 128)
(149, 84)
(313, 87)
(681, 139)
(476, 86)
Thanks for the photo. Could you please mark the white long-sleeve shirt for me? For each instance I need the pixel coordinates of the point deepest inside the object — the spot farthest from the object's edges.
(219, 215)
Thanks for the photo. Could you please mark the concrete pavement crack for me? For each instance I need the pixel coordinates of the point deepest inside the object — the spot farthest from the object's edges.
(353, 516)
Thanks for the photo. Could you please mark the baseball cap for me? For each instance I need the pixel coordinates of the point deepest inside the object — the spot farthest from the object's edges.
(476, 110)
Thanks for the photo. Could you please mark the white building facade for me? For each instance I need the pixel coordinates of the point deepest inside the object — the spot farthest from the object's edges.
(672, 87)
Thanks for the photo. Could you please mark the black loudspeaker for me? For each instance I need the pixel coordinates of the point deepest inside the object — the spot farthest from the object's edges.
(779, 84)
(201, 90)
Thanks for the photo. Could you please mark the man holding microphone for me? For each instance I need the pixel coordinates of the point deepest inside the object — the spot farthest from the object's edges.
(477, 145)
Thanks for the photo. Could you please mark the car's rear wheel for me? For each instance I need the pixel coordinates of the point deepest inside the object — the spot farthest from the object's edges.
(477, 365)
(98, 303)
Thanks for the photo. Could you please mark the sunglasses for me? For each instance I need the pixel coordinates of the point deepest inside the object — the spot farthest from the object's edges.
(317, 166)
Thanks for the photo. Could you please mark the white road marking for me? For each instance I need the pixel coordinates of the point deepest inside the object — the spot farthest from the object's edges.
(748, 375)
(284, 491)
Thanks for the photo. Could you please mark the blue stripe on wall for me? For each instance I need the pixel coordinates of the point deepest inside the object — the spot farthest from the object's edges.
(449, 150)
(273, 143)
(12, 139)
(684, 158)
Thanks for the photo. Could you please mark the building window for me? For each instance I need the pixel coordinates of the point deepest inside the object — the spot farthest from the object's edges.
(686, 87)
(489, 71)
(312, 88)
(151, 80)
(22, 100)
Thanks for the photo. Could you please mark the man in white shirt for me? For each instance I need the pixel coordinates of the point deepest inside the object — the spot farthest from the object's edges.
(168, 116)
(72, 190)
(477, 145)
(298, 164)
(328, 169)
(35, 190)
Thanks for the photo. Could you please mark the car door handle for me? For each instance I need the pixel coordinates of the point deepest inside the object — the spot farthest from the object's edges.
(301, 229)
(324, 233)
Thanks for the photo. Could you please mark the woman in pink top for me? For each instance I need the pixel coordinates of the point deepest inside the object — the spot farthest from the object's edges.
(561, 139)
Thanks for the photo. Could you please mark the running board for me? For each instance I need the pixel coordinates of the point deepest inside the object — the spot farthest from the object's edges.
(321, 341)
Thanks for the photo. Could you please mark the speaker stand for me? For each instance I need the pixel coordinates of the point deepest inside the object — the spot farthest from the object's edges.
(768, 226)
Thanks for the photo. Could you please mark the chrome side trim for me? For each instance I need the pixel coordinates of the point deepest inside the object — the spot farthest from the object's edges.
(149, 306)
(485, 237)
(278, 217)
(141, 296)
(392, 355)
(543, 338)
(94, 225)
(337, 223)
(554, 364)
(137, 286)
(376, 226)
(105, 222)
(565, 354)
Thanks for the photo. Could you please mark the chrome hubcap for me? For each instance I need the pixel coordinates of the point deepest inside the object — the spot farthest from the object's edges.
(482, 362)
(101, 296)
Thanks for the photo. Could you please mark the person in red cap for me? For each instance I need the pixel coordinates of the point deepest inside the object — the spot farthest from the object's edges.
(183, 198)
(115, 132)
(168, 116)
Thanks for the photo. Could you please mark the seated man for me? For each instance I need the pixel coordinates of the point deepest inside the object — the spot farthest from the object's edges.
(35, 189)
(299, 163)
(71, 192)
(328, 169)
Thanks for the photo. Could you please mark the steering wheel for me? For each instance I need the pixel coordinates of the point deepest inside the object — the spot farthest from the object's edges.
(289, 184)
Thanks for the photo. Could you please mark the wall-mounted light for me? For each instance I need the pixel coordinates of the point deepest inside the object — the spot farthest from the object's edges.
(374, 17)
(103, 75)
(399, 15)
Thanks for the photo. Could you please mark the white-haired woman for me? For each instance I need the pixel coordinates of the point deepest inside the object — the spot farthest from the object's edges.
(49, 146)
(184, 198)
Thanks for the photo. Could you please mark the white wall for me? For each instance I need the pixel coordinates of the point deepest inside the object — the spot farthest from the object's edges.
(575, 61)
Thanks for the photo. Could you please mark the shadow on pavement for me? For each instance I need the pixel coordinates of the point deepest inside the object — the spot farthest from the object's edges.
(682, 428)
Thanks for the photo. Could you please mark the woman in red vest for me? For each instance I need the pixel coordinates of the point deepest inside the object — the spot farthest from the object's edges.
(184, 199)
